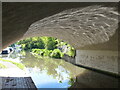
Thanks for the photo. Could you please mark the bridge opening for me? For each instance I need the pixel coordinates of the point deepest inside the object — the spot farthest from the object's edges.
(44, 60)
(92, 30)
(41, 59)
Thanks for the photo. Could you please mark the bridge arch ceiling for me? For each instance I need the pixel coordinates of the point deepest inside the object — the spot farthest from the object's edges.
(80, 26)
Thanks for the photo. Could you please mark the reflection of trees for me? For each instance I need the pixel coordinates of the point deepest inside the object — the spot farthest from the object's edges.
(15, 55)
(71, 81)
(48, 64)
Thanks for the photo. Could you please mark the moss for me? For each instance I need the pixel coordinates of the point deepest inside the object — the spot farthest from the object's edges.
(21, 66)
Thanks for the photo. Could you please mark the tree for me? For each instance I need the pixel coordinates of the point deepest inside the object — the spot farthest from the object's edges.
(51, 44)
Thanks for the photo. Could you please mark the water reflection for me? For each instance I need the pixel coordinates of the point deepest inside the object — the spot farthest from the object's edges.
(56, 73)
(47, 72)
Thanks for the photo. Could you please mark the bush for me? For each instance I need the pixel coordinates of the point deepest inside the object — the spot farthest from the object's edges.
(30, 43)
(51, 43)
(46, 46)
(47, 52)
(56, 53)
(42, 52)
(71, 51)
(38, 51)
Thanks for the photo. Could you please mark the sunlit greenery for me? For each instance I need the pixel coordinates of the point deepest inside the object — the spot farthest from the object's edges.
(2, 66)
(36, 52)
(71, 51)
(21, 66)
(56, 53)
(42, 52)
(47, 46)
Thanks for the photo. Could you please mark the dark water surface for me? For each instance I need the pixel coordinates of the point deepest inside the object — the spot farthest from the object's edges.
(57, 73)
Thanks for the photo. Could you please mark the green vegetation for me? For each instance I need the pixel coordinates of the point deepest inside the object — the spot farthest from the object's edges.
(47, 47)
(71, 51)
(42, 52)
(56, 53)
(21, 66)
(71, 81)
(2, 66)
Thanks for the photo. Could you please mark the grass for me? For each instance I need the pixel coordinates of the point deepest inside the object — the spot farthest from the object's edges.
(21, 66)
(2, 66)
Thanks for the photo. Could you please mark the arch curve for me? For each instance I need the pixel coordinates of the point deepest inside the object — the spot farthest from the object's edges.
(78, 26)
(76, 23)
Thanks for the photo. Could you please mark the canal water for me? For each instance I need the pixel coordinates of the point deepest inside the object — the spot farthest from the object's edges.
(57, 73)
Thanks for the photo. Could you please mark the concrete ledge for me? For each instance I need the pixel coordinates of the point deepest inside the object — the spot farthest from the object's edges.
(100, 71)
(73, 61)
(102, 60)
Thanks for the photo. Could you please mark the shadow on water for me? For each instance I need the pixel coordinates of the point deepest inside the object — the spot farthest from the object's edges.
(92, 79)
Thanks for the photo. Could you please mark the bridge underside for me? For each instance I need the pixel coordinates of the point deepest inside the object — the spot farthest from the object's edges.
(91, 28)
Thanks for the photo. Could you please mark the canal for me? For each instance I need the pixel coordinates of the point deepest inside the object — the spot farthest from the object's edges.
(57, 73)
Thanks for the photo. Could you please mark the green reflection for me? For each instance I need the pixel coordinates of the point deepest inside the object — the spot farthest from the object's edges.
(50, 65)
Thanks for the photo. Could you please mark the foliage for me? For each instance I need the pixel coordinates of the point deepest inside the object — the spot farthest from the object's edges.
(56, 53)
(50, 43)
(71, 51)
(71, 81)
(23, 53)
(42, 52)
(21, 66)
(47, 46)
(30, 43)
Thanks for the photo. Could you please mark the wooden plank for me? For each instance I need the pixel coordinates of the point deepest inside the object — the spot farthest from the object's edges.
(11, 83)
(18, 83)
(3, 82)
(25, 83)
(22, 82)
(7, 84)
(28, 85)
(31, 83)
